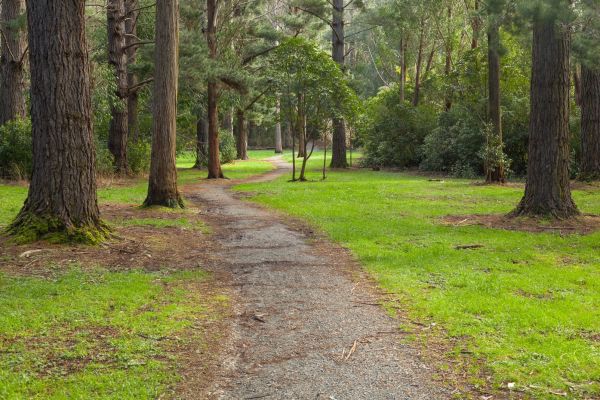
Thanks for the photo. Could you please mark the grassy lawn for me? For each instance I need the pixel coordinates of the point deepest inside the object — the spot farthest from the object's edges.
(98, 334)
(523, 309)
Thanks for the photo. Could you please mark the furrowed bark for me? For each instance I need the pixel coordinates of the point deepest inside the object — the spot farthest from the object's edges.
(12, 68)
(547, 192)
(590, 123)
(162, 186)
(214, 160)
(338, 143)
(61, 203)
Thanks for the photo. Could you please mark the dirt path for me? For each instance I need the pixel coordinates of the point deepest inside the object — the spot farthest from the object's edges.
(305, 325)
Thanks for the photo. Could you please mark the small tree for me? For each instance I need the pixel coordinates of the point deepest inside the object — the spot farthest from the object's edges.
(313, 88)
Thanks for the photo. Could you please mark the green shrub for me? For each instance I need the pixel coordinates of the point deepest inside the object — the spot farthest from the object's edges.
(138, 156)
(104, 160)
(16, 157)
(391, 132)
(227, 146)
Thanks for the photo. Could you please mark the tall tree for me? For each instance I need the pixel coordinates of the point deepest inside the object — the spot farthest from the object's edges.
(62, 194)
(494, 173)
(278, 136)
(590, 123)
(214, 161)
(12, 69)
(338, 142)
(547, 192)
(162, 187)
(131, 21)
(117, 58)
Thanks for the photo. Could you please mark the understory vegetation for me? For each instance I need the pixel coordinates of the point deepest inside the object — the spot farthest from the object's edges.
(518, 309)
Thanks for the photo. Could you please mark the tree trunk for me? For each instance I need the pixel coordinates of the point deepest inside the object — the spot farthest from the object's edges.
(476, 26)
(201, 143)
(214, 159)
(62, 195)
(338, 142)
(12, 69)
(301, 127)
(117, 58)
(278, 135)
(241, 135)
(132, 78)
(448, 66)
(228, 121)
(547, 192)
(417, 90)
(590, 123)
(403, 70)
(577, 84)
(494, 174)
(162, 187)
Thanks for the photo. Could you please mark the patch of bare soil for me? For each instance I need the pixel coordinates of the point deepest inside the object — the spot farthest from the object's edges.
(582, 225)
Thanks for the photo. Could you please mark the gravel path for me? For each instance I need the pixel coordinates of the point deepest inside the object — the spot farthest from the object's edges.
(305, 325)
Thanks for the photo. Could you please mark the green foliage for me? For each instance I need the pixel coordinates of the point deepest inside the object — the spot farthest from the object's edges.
(138, 156)
(227, 146)
(492, 153)
(392, 133)
(524, 308)
(16, 159)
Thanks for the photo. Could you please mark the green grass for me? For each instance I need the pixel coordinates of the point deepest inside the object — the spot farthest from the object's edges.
(526, 307)
(97, 334)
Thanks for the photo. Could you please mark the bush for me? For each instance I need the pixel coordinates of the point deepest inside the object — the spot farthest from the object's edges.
(104, 160)
(392, 133)
(138, 156)
(227, 146)
(16, 156)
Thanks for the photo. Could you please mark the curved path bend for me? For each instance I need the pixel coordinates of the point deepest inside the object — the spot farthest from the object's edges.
(306, 324)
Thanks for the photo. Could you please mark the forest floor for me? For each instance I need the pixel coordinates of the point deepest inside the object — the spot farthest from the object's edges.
(365, 285)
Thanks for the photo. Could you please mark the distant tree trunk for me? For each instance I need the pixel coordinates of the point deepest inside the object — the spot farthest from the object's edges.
(62, 194)
(12, 64)
(590, 123)
(278, 135)
(417, 90)
(448, 66)
(132, 78)
(162, 187)
(338, 142)
(201, 143)
(301, 127)
(117, 58)
(241, 135)
(403, 69)
(496, 174)
(577, 84)
(228, 121)
(547, 192)
(214, 159)
(476, 26)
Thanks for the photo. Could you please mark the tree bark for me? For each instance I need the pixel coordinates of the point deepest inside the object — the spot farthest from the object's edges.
(201, 143)
(278, 136)
(228, 121)
(590, 123)
(495, 174)
(547, 192)
(132, 78)
(301, 126)
(403, 71)
(214, 159)
(12, 68)
(476, 26)
(62, 195)
(162, 187)
(117, 58)
(448, 65)
(241, 135)
(338, 142)
(417, 91)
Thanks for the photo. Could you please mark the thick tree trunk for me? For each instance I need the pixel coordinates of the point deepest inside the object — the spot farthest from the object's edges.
(338, 142)
(201, 143)
(62, 194)
(162, 187)
(132, 78)
(12, 68)
(278, 136)
(241, 135)
(214, 159)
(547, 191)
(590, 123)
(417, 90)
(117, 58)
(494, 174)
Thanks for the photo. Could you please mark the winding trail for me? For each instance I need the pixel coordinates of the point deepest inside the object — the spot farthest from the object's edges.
(305, 324)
